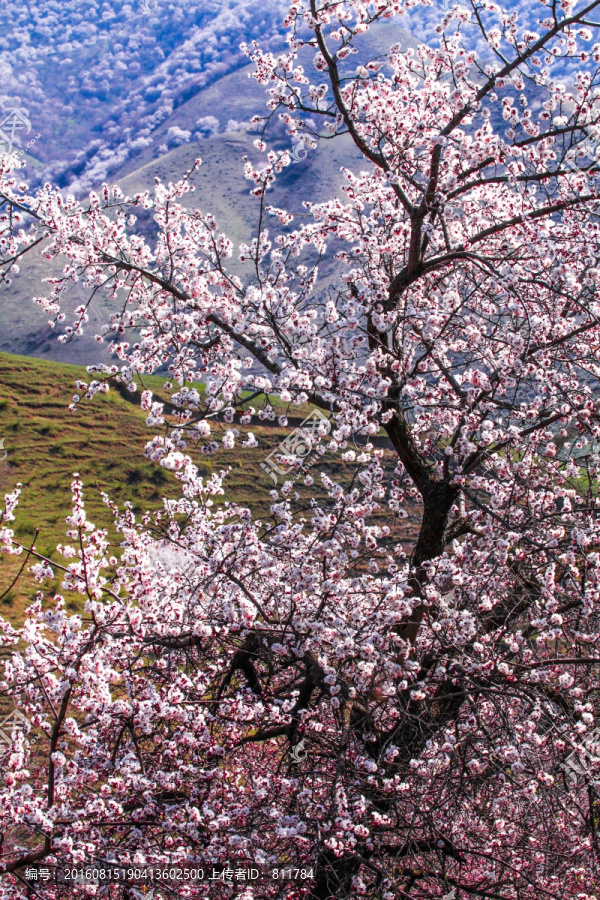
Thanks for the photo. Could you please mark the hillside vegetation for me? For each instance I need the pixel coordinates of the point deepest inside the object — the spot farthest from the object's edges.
(104, 442)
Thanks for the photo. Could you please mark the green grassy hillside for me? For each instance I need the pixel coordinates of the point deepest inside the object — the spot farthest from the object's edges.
(103, 441)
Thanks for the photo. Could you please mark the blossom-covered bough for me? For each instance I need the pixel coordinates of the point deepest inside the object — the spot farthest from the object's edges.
(441, 692)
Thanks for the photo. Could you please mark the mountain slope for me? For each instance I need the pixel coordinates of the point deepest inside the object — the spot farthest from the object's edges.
(104, 441)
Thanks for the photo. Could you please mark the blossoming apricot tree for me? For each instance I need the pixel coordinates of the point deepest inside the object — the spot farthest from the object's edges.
(439, 690)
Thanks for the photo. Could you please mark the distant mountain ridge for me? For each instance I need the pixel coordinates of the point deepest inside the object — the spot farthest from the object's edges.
(211, 124)
(129, 91)
(96, 77)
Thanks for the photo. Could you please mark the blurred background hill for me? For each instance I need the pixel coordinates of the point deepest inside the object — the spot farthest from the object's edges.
(127, 92)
